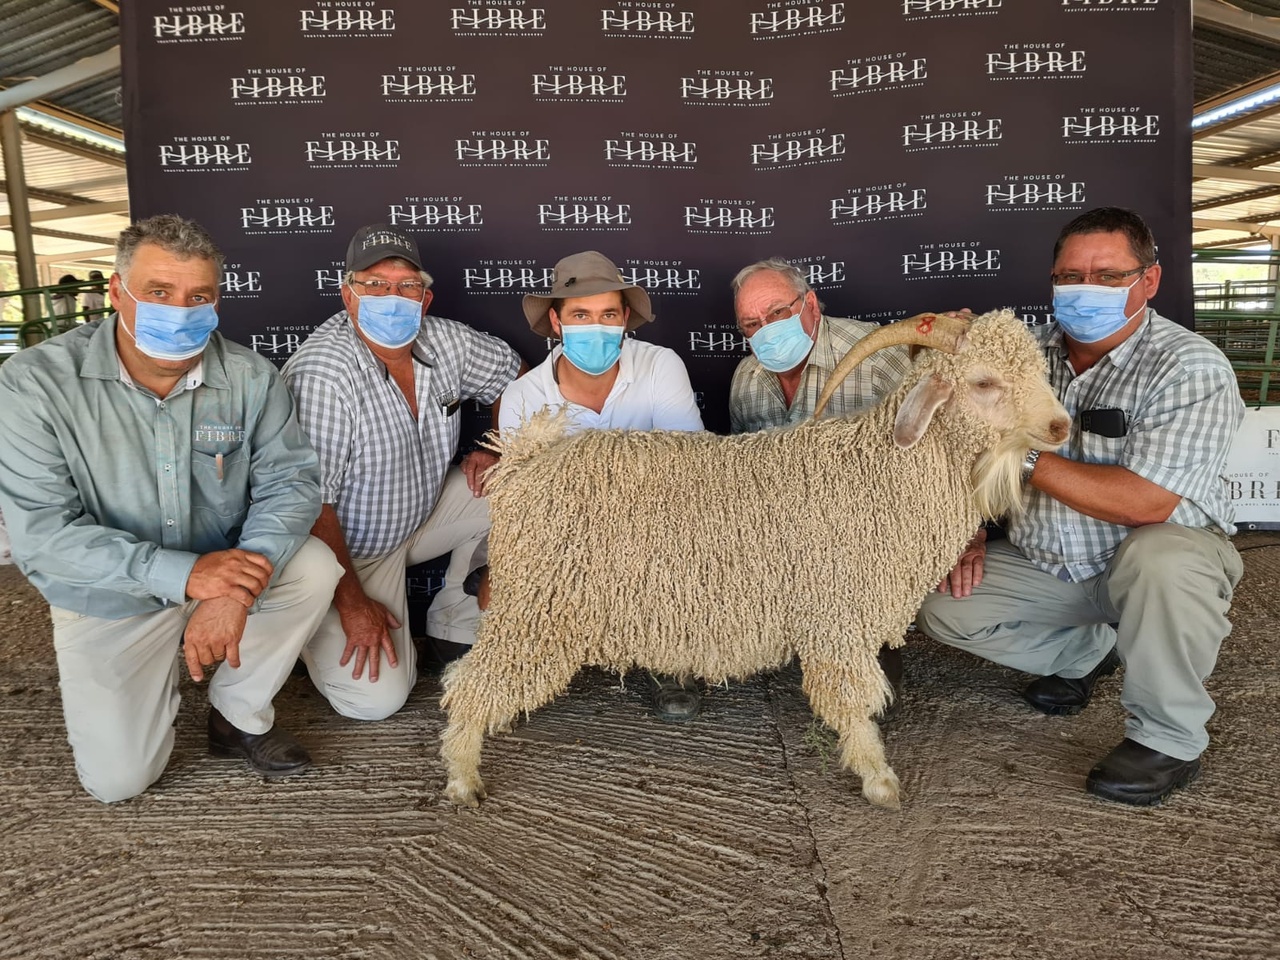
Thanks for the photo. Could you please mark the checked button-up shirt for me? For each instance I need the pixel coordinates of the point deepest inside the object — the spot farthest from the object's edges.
(381, 469)
(1182, 407)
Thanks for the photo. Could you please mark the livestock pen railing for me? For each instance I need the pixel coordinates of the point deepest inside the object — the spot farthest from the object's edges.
(57, 309)
(1242, 317)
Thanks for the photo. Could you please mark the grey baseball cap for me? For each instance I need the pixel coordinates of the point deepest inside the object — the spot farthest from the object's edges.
(378, 241)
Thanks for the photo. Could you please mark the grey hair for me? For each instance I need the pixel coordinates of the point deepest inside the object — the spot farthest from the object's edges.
(427, 279)
(794, 275)
(174, 234)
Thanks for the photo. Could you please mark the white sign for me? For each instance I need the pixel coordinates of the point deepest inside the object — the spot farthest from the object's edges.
(1253, 470)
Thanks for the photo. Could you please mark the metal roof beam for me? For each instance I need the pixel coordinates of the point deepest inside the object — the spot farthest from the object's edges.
(1213, 129)
(79, 210)
(1259, 193)
(1233, 18)
(74, 147)
(61, 80)
(66, 235)
(1217, 171)
(1238, 226)
(49, 196)
(104, 255)
(115, 180)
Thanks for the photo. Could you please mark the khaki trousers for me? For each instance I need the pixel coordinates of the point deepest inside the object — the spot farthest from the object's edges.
(458, 524)
(119, 678)
(1168, 587)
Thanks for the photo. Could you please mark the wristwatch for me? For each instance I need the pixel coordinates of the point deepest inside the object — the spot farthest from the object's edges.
(1029, 465)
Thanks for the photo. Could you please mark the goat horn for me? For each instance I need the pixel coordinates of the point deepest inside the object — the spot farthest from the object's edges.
(924, 329)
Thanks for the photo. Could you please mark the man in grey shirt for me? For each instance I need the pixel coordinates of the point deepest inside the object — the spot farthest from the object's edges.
(157, 488)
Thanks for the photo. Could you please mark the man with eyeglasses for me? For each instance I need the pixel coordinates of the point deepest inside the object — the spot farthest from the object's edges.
(794, 348)
(1122, 556)
(159, 491)
(378, 387)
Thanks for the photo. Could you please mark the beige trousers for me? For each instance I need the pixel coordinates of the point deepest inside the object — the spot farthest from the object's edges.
(458, 525)
(119, 678)
(1169, 589)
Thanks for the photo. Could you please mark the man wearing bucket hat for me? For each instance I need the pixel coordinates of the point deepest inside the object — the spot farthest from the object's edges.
(378, 387)
(605, 380)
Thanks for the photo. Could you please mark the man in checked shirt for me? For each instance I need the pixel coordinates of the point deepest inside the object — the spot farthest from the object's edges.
(794, 348)
(1122, 556)
(378, 387)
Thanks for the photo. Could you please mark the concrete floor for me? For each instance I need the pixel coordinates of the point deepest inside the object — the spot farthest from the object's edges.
(610, 835)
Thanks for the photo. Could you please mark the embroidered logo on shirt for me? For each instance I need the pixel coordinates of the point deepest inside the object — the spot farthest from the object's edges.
(217, 433)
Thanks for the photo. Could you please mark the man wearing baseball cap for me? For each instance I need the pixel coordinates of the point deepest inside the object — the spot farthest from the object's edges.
(378, 387)
(604, 380)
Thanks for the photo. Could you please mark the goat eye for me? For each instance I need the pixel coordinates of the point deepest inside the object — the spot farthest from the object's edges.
(984, 384)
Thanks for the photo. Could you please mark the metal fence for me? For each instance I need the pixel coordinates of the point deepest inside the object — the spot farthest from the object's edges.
(1242, 318)
(60, 307)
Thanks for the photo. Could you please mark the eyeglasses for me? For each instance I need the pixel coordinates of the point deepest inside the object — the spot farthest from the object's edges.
(412, 289)
(749, 327)
(1104, 278)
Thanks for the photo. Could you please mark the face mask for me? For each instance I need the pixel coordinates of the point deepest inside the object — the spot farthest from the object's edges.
(163, 331)
(592, 347)
(391, 321)
(782, 345)
(1089, 313)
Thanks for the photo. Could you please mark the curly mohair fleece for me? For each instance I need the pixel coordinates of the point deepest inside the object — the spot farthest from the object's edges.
(723, 556)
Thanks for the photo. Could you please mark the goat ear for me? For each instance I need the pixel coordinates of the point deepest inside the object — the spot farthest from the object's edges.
(916, 412)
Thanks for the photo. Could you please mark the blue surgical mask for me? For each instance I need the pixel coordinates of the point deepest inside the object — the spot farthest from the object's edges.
(782, 345)
(592, 347)
(391, 321)
(1088, 312)
(164, 331)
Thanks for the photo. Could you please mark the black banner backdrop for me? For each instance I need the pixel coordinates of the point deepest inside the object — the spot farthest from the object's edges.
(910, 154)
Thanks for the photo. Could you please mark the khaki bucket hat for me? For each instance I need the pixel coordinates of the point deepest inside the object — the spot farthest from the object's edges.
(585, 275)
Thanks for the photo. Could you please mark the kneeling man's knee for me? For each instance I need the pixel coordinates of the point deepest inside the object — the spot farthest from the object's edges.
(121, 777)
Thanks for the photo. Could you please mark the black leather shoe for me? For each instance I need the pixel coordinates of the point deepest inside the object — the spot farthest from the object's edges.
(471, 585)
(1063, 696)
(1132, 773)
(891, 663)
(675, 701)
(271, 754)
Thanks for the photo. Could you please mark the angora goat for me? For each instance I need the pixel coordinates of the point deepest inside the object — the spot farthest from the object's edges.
(721, 557)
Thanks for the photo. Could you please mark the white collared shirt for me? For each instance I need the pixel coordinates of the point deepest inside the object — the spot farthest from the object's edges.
(652, 392)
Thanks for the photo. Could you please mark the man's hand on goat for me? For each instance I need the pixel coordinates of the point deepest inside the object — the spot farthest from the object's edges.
(366, 624)
(474, 465)
(966, 575)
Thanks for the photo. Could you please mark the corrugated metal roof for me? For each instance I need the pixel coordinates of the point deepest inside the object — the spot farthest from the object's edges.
(39, 36)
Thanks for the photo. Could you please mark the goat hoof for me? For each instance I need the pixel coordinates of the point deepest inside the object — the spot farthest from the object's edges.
(883, 791)
(467, 792)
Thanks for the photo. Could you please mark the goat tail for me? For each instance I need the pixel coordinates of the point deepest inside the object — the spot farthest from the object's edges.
(997, 479)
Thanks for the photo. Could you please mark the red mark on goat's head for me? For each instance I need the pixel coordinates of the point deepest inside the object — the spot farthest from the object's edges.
(925, 326)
